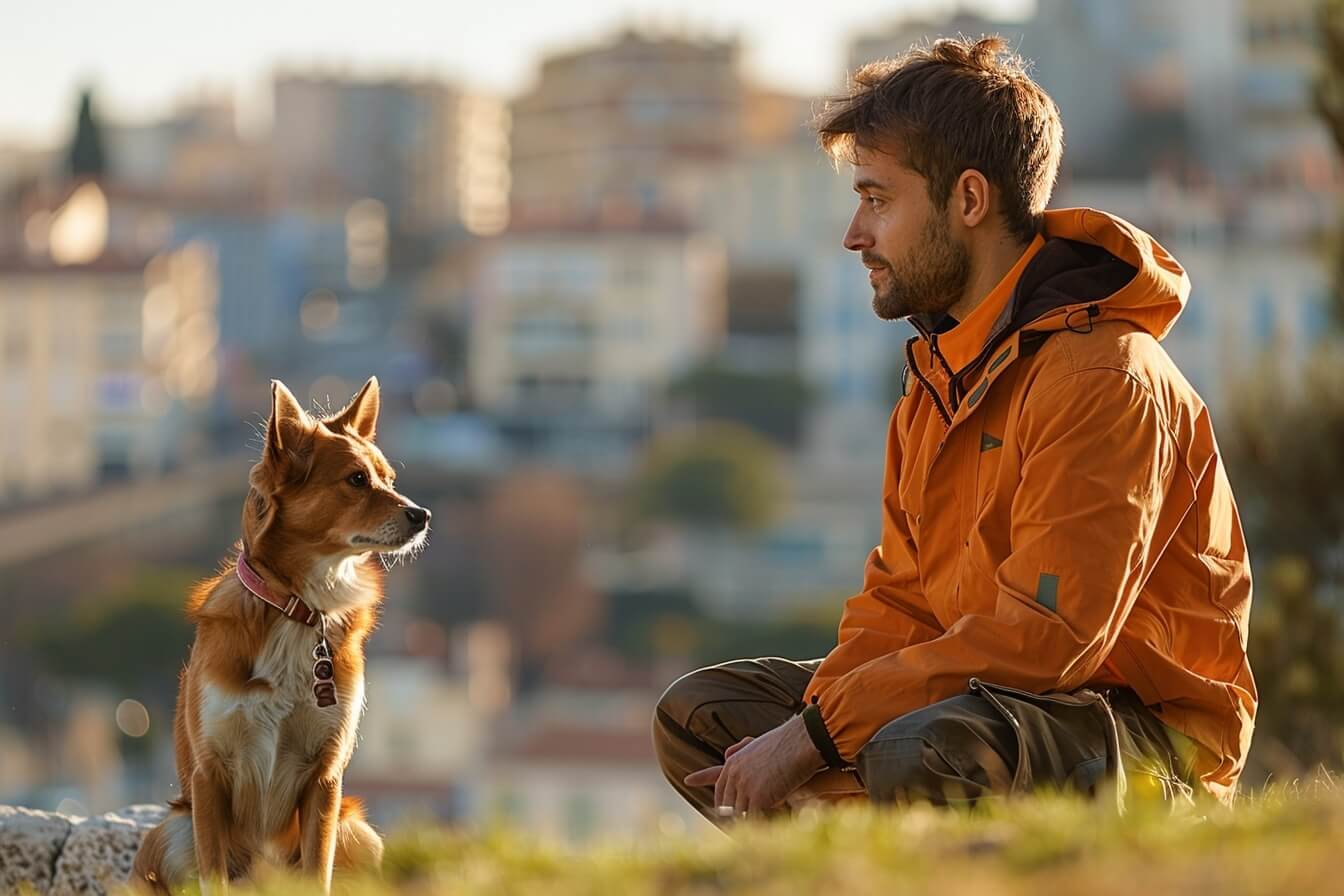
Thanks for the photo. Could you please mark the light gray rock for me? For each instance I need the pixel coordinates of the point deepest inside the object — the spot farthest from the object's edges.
(146, 815)
(59, 855)
(99, 851)
(30, 844)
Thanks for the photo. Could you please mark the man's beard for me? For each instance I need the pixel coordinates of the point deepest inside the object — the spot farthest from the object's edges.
(931, 278)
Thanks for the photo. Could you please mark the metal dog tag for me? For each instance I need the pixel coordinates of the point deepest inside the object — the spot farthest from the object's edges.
(324, 671)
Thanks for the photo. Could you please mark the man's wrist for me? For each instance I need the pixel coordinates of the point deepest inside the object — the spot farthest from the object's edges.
(806, 751)
(821, 738)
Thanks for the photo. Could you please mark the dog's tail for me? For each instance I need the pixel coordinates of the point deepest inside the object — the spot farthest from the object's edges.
(166, 856)
(358, 846)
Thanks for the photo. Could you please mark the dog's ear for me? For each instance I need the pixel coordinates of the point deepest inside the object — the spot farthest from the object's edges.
(288, 432)
(360, 416)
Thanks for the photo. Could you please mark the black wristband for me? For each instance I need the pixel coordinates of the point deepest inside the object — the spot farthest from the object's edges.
(821, 738)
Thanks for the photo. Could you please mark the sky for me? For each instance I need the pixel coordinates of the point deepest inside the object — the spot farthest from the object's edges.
(141, 55)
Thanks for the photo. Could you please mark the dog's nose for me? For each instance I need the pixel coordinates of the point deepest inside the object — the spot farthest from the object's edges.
(419, 518)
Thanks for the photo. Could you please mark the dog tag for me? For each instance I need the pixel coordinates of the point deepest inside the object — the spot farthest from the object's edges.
(325, 692)
(324, 671)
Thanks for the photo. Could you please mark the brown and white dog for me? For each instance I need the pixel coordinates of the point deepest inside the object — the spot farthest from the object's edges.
(271, 696)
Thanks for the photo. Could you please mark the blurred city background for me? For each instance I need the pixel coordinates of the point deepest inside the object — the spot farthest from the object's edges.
(624, 359)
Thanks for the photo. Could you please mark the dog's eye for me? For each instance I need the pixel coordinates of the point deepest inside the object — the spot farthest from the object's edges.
(358, 479)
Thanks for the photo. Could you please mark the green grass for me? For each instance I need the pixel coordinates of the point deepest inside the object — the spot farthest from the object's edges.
(1284, 841)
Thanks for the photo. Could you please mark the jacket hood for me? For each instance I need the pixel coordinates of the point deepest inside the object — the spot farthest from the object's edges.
(1093, 258)
(1087, 266)
(1090, 266)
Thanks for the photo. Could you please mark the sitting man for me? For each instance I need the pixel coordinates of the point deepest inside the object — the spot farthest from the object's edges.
(1061, 593)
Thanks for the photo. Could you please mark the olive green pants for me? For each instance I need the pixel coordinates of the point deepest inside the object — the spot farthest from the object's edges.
(991, 740)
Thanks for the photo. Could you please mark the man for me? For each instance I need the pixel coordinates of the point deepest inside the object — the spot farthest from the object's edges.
(1062, 590)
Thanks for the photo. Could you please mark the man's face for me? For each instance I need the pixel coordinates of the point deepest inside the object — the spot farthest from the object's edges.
(914, 263)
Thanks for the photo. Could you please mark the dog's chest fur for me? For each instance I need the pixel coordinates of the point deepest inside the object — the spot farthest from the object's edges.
(274, 740)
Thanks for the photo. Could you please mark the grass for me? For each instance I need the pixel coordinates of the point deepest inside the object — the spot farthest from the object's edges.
(1285, 840)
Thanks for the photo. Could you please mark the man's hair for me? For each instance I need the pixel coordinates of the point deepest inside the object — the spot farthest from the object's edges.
(952, 105)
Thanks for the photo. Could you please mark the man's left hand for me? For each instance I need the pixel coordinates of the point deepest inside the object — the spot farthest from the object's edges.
(759, 772)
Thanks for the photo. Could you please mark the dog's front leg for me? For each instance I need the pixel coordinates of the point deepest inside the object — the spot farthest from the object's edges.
(319, 816)
(211, 815)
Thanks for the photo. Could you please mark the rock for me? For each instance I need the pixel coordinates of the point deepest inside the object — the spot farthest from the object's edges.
(57, 854)
(30, 844)
(99, 851)
(146, 815)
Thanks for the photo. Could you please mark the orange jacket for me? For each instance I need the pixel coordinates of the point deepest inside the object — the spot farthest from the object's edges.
(1055, 512)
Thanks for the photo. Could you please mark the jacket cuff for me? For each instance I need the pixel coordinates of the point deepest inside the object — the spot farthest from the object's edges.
(821, 738)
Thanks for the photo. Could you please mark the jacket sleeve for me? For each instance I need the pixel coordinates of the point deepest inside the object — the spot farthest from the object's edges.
(1088, 522)
(891, 612)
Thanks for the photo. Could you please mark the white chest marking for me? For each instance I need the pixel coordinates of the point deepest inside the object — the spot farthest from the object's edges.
(270, 740)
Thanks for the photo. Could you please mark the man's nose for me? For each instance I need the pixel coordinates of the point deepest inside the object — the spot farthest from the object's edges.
(856, 237)
(419, 518)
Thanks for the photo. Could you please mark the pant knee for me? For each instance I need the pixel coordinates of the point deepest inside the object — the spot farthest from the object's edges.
(687, 732)
(682, 697)
(925, 755)
(672, 715)
(902, 769)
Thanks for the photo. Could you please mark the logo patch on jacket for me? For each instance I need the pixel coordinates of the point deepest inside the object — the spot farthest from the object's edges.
(989, 443)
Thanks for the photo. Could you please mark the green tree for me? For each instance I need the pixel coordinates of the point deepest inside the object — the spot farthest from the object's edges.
(717, 474)
(1283, 448)
(1328, 95)
(133, 636)
(87, 157)
(1283, 452)
(774, 404)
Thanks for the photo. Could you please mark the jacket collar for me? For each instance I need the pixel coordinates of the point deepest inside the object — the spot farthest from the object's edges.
(964, 341)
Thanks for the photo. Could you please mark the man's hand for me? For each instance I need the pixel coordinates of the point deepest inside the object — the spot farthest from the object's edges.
(759, 772)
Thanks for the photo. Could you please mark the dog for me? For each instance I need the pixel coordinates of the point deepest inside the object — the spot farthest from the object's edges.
(271, 696)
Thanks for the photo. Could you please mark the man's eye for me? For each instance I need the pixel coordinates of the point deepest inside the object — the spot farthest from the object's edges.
(358, 480)
(874, 201)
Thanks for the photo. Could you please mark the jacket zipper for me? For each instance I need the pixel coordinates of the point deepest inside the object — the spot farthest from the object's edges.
(928, 387)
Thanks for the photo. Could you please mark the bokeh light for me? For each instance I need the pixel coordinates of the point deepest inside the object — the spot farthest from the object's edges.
(320, 311)
(132, 718)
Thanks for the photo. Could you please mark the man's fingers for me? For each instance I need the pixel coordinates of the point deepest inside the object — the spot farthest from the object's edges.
(706, 777)
(737, 746)
(728, 797)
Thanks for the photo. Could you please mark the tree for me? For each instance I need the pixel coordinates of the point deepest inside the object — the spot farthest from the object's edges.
(1284, 460)
(773, 404)
(718, 474)
(1328, 97)
(134, 636)
(1284, 445)
(1283, 450)
(87, 157)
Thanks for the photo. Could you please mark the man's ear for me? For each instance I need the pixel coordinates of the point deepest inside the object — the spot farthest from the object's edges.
(970, 198)
(288, 432)
(361, 414)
